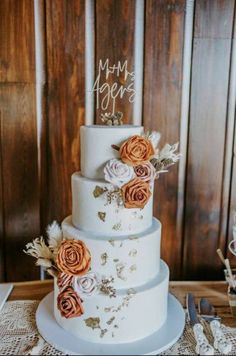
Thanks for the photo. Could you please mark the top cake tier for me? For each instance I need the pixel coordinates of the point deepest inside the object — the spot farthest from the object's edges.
(96, 146)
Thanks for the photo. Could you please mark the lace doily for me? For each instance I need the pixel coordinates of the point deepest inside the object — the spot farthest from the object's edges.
(19, 335)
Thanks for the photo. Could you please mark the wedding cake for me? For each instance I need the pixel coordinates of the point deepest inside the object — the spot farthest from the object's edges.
(110, 284)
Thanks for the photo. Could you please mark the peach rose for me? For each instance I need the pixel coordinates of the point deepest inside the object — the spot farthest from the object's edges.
(73, 258)
(145, 171)
(136, 193)
(136, 150)
(69, 303)
(64, 280)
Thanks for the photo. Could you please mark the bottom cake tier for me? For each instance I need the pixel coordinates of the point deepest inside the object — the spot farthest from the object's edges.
(130, 315)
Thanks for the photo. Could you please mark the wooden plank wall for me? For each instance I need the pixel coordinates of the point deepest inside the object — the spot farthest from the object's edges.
(19, 156)
(39, 154)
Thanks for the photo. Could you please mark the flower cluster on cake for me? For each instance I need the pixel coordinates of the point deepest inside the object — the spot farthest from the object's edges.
(140, 163)
(105, 258)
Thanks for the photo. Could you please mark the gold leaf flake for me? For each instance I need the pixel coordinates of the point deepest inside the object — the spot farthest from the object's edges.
(112, 242)
(107, 310)
(120, 270)
(133, 253)
(98, 191)
(131, 291)
(117, 226)
(104, 258)
(93, 323)
(107, 289)
(102, 216)
(110, 321)
(133, 238)
(133, 268)
(103, 332)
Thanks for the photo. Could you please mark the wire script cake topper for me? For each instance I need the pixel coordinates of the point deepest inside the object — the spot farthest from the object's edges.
(113, 82)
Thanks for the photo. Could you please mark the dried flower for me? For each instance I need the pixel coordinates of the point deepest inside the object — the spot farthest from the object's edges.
(53, 272)
(38, 249)
(168, 153)
(55, 236)
(153, 136)
(165, 158)
(43, 262)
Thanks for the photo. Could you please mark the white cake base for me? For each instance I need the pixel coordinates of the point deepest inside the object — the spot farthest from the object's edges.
(69, 344)
(126, 318)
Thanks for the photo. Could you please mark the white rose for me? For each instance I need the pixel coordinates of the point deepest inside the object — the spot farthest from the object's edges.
(118, 173)
(87, 285)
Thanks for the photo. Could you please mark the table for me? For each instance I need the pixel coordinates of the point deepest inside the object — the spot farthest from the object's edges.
(216, 292)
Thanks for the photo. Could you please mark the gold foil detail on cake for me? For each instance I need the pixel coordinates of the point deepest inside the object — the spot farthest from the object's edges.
(133, 253)
(117, 226)
(102, 215)
(98, 191)
(93, 323)
(133, 268)
(112, 242)
(106, 288)
(120, 270)
(110, 321)
(104, 258)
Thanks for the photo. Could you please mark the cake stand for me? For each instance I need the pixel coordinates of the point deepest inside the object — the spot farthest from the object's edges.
(158, 342)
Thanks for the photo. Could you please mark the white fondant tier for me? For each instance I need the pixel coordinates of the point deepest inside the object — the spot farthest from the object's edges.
(96, 150)
(98, 215)
(136, 256)
(130, 316)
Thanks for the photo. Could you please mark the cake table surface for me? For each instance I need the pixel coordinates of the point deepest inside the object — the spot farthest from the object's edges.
(215, 291)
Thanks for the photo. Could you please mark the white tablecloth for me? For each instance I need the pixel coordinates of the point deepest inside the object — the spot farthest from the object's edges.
(19, 335)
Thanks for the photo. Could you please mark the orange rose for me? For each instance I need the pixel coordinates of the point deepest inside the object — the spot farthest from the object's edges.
(64, 280)
(69, 303)
(136, 193)
(136, 150)
(73, 258)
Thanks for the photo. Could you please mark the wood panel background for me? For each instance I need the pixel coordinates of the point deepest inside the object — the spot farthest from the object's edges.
(189, 94)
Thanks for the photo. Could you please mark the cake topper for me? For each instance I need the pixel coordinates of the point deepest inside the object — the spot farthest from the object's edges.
(113, 81)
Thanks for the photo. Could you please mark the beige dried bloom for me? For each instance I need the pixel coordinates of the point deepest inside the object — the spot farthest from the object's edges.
(38, 249)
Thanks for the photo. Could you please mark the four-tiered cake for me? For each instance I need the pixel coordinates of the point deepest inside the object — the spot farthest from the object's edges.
(111, 287)
(127, 283)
